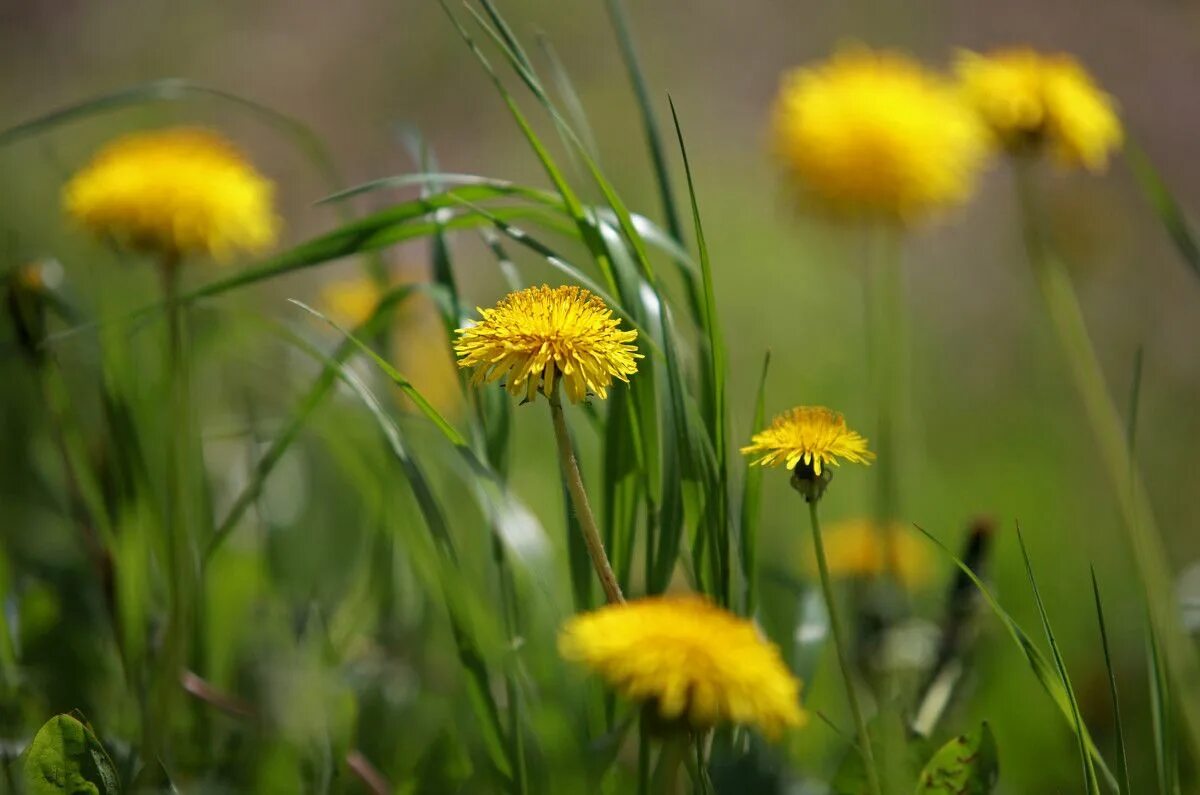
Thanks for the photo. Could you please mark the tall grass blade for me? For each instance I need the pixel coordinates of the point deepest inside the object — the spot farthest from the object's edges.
(752, 499)
(1091, 784)
(1122, 756)
(1045, 673)
(1162, 713)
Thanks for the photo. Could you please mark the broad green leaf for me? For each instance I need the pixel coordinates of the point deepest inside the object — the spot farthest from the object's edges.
(66, 758)
(967, 765)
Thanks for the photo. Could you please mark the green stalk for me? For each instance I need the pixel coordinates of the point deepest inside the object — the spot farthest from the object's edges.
(177, 536)
(839, 643)
(1149, 555)
(579, 498)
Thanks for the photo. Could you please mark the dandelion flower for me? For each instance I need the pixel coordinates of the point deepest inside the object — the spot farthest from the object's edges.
(873, 133)
(1031, 100)
(814, 435)
(351, 301)
(860, 548)
(689, 658)
(535, 335)
(174, 192)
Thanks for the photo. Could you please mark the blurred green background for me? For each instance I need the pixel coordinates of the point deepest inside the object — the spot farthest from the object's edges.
(991, 423)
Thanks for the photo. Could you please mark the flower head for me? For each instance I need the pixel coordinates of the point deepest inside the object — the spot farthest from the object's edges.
(175, 191)
(874, 133)
(814, 435)
(1031, 99)
(534, 335)
(691, 659)
(865, 548)
(351, 301)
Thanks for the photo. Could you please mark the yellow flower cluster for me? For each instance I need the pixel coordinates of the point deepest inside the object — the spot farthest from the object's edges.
(874, 133)
(694, 661)
(1032, 100)
(174, 192)
(871, 133)
(814, 435)
(535, 335)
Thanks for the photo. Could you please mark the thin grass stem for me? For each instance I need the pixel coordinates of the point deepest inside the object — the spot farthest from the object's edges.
(839, 643)
(579, 498)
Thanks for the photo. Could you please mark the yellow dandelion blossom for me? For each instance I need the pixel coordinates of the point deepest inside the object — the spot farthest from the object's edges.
(813, 434)
(351, 301)
(863, 548)
(1031, 100)
(874, 133)
(537, 334)
(175, 192)
(691, 659)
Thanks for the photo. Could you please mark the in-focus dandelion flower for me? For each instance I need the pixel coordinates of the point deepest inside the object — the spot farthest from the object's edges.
(351, 301)
(865, 548)
(175, 192)
(1032, 100)
(873, 133)
(692, 660)
(535, 335)
(814, 435)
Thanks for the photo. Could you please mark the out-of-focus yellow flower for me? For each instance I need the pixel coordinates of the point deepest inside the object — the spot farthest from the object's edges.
(351, 301)
(813, 434)
(534, 335)
(861, 547)
(689, 658)
(1032, 100)
(174, 192)
(873, 133)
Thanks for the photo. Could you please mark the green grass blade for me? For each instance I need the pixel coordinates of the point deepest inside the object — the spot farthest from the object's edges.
(1122, 756)
(1135, 400)
(1044, 672)
(620, 23)
(1091, 784)
(1166, 742)
(752, 498)
(1169, 212)
(573, 105)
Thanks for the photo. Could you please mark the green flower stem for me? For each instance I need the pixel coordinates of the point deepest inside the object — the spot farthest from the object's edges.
(579, 498)
(839, 643)
(1149, 555)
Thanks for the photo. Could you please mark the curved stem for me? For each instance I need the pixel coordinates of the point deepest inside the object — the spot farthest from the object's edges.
(839, 643)
(583, 509)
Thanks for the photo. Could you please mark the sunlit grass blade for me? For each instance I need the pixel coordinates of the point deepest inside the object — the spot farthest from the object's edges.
(1165, 205)
(573, 105)
(752, 499)
(1091, 783)
(1122, 756)
(1043, 670)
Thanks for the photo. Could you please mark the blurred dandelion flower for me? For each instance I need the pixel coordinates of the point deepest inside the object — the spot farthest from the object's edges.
(537, 334)
(351, 301)
(814, 435)
(689, 658)
(861, 547)
(1032, 100)
(874, 133)
(175, 192)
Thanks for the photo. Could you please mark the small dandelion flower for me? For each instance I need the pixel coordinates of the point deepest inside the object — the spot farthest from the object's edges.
(351, 301)
(873, 133)
(174, 192)
(692, 660)
(860, 548)
(813, 435)
(1032, 100)
(535, 335)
